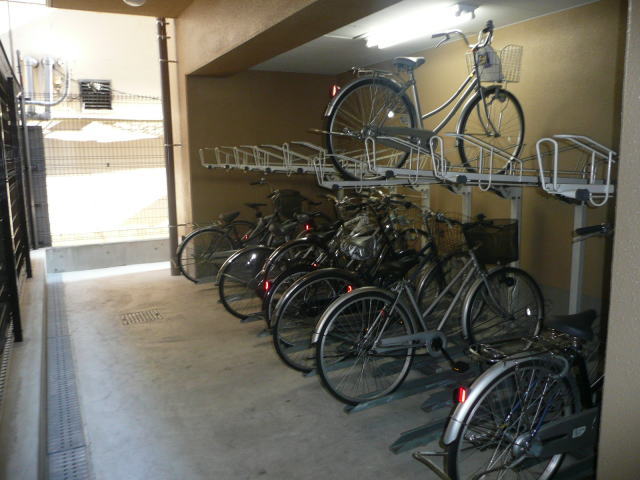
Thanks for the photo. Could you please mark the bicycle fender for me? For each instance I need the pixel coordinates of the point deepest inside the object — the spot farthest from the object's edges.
(212, 228)
(277, 252)
(260, 248)
(456, 420)
(324, 318)
(324, 272)
(349, 86)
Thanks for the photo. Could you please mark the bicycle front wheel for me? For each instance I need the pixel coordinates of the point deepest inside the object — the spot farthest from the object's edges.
(202, 253)
(363, 108)
(508, 305)
(495, 437)
(352, 364)
(497, 120)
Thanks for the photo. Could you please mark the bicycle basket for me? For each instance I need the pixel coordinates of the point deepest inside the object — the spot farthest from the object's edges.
(447, 237)
(501, 66)
(496, 240)
(288, 203)
(364, 247)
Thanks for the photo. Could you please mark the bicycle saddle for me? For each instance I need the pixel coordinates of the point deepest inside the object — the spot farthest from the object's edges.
(255, 205)
(410, 63)
(228, 217)
(577, 325)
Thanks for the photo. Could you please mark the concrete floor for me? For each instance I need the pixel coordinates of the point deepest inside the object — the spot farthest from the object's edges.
(197, 395)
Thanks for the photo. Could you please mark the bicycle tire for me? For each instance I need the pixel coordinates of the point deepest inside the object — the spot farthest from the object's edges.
(300, 250)
(279, 286)
(504, 412)
(345, 330)
(473, 122)
(483, 324)
(298, 311)
(196, 254)
(240, 230)
(238, 284)
(353, 111)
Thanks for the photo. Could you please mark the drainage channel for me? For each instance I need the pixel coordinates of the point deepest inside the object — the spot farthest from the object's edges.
(67, 449)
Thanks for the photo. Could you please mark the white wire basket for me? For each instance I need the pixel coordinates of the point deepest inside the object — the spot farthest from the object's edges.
(501, 66)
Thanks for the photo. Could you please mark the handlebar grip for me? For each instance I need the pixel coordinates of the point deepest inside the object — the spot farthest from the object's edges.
(489, 27)
(602, 228)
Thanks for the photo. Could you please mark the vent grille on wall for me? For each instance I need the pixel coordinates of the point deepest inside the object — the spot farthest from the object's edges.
(96, 94)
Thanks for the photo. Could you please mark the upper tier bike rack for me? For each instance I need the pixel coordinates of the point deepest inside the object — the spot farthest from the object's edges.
(589, 179)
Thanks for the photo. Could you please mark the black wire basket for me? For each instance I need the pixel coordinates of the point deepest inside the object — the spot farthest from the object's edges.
(496, 240)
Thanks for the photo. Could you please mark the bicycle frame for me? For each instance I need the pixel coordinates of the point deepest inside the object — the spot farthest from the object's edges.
(469, 85)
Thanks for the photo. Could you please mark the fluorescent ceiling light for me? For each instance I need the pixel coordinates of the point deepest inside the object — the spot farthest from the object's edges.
(419, 23)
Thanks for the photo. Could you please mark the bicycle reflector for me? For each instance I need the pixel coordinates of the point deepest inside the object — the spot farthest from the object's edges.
(333, 91)
(267, 286)
(460, 395)
(349, 288)
(245, 236)
(307, 227)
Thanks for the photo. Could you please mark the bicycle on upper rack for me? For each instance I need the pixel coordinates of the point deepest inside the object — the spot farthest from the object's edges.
(522, 416)
(202, 252)
(366, 340)
(376, 106)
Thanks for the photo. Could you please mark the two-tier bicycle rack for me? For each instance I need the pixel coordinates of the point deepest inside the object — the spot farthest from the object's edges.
(588, 181)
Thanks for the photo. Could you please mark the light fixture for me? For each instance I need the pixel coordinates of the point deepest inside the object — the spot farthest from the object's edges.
(419, 23)
(134, 3)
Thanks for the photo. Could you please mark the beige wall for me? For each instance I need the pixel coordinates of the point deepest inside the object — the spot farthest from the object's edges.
(249, 108)
(619, 443)
(570, 84)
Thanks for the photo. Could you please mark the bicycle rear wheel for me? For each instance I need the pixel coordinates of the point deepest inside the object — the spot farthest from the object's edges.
(239, 281)
(495, 437)
(513, 309)
(501, 125)
(297, 314)
(202, 253)
(278, 287)
(349, 366)
(363, 108)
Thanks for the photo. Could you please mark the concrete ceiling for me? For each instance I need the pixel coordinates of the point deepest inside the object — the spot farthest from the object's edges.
(152, 8)
(338, 51)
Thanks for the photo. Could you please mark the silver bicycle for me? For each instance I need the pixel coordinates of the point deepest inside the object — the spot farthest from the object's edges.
(366, 340)
(377, 106)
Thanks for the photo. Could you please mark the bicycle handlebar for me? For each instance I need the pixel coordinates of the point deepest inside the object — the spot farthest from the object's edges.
(602, 229)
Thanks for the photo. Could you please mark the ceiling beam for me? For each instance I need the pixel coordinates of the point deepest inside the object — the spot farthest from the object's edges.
(209, 46)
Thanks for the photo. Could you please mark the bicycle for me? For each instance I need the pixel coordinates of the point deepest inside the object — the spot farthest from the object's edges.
(376, 106)
(202, 252)
(239, 279)
(304, 301)
(366, 340)
(530, 408)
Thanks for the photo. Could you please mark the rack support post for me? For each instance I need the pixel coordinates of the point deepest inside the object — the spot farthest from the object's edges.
(577, 260)
(515, 205)
(466, 202)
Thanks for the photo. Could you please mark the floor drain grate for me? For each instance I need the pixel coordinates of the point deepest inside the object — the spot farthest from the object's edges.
(4, 361)
(135, 318)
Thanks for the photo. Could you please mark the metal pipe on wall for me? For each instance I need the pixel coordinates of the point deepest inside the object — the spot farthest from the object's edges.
(168, 143)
